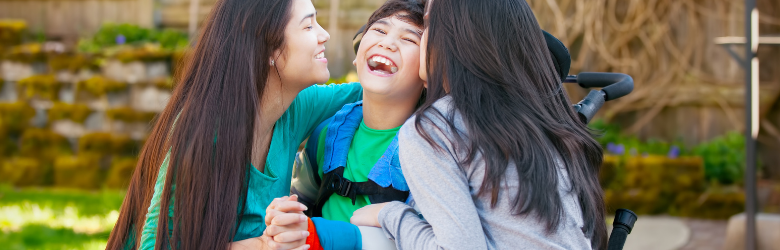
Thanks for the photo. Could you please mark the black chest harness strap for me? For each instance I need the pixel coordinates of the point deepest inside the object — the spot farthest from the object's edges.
(334, 182)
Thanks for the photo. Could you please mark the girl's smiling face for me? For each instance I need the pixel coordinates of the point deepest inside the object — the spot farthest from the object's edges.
(301, 62)
(388, 59)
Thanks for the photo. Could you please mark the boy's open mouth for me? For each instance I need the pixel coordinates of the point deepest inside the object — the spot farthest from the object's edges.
(382, 65)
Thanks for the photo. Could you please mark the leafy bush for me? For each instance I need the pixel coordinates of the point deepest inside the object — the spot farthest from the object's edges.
(15, 117)
(127, 114)
(99, 143)
(71, 62)
(82, 171)
(99, 85)
(43, 144)
(614, 142)
(715, 203)
(124, 146)
(64, 111)
(41, 86)
(120, 173)
(724, 158)
(27, 53)
(11, 32)
(22, 172)
(650, 184)
(7, 144)
(111, 35)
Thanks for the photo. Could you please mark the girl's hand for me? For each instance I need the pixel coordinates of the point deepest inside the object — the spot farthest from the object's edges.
(286, 226)
(262, 243)
(368, 215)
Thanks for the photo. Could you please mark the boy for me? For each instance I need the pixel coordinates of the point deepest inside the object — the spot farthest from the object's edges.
(351, 160)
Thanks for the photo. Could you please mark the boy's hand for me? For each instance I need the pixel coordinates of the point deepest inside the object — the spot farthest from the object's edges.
(368, 215)
(286, 226)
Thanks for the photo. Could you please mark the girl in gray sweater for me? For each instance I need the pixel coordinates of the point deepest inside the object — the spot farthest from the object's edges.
(495, 158)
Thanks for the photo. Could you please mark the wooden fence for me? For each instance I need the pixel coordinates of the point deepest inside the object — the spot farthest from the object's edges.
(67, 20)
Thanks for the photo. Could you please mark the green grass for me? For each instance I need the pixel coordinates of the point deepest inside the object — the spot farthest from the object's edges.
(38, 236)
(46, 218)
(87, 202)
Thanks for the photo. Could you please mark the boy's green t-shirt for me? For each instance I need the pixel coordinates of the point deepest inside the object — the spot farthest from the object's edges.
(368, 145)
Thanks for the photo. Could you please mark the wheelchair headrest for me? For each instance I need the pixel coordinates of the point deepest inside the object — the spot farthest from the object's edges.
(560, 54)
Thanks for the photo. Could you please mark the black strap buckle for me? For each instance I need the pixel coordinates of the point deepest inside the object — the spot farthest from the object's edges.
(341, 186)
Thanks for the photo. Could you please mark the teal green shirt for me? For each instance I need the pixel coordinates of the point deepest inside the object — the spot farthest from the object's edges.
(366, 148)
(312, 106)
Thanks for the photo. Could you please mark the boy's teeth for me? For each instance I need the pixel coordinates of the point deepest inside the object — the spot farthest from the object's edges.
(393, 70)
(372, 62)
(379, 59)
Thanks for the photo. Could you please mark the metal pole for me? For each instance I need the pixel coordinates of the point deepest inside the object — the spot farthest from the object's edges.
(751, 115)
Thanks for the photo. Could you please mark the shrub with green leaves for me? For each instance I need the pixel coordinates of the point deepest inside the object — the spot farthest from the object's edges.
(82, 171)
(724, 158)
(11, 32)
(99, 143)
(26, 53)
(111, 35)
(127, 114)
(22, 171)
(71, 62)
(65, 111)
(15, 117)
(124, 146)
(41, 86)
(99, 86)
(43, 144)
(120, 172)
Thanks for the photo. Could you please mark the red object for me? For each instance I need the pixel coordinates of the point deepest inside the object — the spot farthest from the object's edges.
(313, 240)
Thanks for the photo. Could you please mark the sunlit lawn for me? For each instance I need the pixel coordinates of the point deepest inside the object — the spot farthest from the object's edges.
(47, 218)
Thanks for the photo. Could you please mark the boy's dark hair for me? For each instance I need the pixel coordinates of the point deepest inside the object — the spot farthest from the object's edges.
(415, 9)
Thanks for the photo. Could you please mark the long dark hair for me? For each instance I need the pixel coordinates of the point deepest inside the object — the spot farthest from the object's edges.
(492, 58)
(207, 129)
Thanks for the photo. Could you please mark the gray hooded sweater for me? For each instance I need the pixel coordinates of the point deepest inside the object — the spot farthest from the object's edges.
(455, 217)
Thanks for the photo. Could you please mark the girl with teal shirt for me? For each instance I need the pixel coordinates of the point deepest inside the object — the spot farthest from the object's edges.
(224, 145)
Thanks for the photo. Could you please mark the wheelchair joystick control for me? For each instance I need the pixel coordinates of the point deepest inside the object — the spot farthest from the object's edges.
(621, 227)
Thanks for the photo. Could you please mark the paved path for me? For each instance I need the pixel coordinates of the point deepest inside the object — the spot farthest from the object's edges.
(657, 233)
(706, 234)
(671, 233)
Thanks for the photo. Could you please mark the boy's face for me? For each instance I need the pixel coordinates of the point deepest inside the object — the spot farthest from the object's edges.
(388, 59)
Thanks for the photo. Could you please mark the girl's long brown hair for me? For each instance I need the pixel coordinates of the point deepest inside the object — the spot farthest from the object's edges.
(492, 57)
(213, 107)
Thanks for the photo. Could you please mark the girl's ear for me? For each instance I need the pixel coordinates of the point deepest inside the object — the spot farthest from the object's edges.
(354, 62)
(274, 60)
(425, 84)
